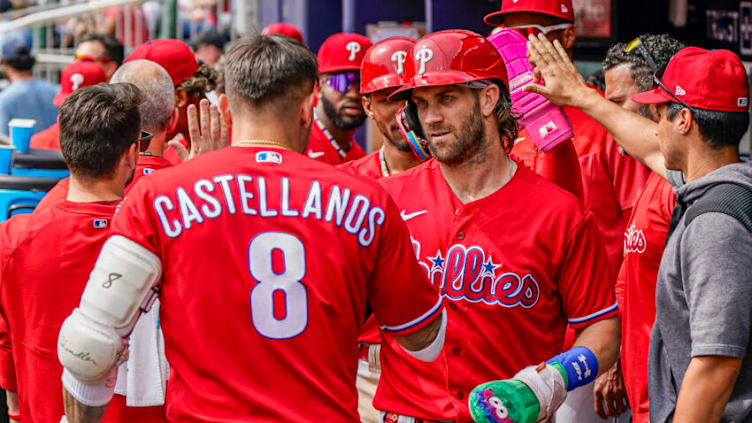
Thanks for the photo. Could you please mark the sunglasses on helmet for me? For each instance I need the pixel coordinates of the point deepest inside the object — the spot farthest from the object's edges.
(144, 139)
(527, 30)
(637, 45)
(342, 82)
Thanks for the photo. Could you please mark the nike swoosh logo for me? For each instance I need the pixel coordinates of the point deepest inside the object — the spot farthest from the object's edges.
(408, 216)
(315, 154)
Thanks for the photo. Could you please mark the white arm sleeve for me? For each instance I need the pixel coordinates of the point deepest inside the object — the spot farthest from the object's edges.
(121, 286)
(431, 352)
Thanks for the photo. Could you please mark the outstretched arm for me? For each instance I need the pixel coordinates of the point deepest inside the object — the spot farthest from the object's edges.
(636, 134)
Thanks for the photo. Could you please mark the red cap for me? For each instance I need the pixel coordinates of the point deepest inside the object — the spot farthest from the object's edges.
(76, 75)
(710, 80)
(451, 57)
(173, 55)
(284, 28)
(342, 52)
(384, 64)
(561, 9)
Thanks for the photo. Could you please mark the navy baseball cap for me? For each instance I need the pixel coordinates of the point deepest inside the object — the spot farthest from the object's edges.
(15, 48)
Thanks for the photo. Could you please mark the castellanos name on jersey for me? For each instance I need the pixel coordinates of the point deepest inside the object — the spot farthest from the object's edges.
(249, 195)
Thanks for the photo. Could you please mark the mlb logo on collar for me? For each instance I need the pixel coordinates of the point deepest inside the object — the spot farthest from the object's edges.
(100, 223)
(268, 157)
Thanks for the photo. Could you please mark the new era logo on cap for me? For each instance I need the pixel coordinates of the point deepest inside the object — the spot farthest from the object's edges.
(564, 8)
(680, 91)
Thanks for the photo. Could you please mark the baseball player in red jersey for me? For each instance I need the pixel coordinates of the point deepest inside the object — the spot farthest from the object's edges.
(629, 70)
(74, 76)
(338, 112)
(382, 73)
(611, 179)
(46, 256)
(278, 326)
(159, 117)
(516, 257)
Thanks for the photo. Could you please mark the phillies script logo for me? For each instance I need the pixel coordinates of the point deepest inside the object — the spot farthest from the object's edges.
(423, 56)
(469, 274)
(399, 57)
(634, 240)
(353, 47)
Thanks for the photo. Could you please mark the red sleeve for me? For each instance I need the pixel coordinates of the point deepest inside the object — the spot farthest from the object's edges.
(7, 368)
(628, 176)
(402, 298)
(133, 221)
(585, 281)
(619, 286)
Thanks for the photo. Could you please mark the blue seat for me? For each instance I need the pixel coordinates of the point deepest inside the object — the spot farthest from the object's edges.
(21, 194)
(40, 163)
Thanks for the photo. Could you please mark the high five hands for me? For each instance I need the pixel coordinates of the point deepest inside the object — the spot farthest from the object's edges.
(552, 66)
(207, 131)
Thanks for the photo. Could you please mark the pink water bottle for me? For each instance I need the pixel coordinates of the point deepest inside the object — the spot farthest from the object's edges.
(544, 121)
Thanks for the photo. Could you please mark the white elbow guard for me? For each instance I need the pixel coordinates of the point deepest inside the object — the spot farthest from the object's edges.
(121, 286)
(431, 352)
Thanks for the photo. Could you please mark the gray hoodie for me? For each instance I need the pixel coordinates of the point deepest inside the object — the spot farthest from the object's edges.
(703, 300)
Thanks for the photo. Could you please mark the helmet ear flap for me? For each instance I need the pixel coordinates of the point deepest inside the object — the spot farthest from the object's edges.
(411, 129)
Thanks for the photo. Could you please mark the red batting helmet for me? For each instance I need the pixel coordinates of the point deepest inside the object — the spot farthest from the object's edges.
(342, 52)
(561, 9)
(448, 58)
(384, 64)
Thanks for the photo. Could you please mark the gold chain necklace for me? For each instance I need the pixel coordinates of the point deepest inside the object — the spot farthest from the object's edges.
(263, 142)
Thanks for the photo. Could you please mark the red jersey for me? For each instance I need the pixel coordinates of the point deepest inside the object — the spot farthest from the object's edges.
(47, 139)
(322, 147)
(516, 267)
(146, 165)
(611, 181)
(39, 287)
(560, 165)
(371, 166)
(278, 325)
(644, 241)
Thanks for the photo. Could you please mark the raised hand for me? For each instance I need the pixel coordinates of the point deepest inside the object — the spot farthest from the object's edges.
(563, 83)
(208, 132)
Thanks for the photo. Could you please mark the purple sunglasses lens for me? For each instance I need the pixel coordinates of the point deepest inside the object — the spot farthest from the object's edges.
(342, 82)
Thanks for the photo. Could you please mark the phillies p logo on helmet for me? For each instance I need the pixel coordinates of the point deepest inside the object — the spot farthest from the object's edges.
(399, 57)
(424, 56)
(353, 47)
(76, 79)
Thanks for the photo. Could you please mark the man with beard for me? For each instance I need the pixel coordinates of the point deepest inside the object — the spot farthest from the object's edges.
(45, 257)
(628, 71)
(516, 258)
(339, 111)
(382, 71)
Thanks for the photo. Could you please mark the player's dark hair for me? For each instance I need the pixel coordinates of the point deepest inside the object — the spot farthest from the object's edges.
(204, 80)
(661, 48)
(719, 129)
(269, 69)
(113, 48)
(508, 127)
(97, 125)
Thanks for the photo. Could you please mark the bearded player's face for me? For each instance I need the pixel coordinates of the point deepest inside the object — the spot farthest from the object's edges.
(451, 120)
(384, 112)
(344, 109)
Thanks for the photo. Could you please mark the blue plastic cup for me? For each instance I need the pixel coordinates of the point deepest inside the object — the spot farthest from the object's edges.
(6, 158)
(21, 131)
